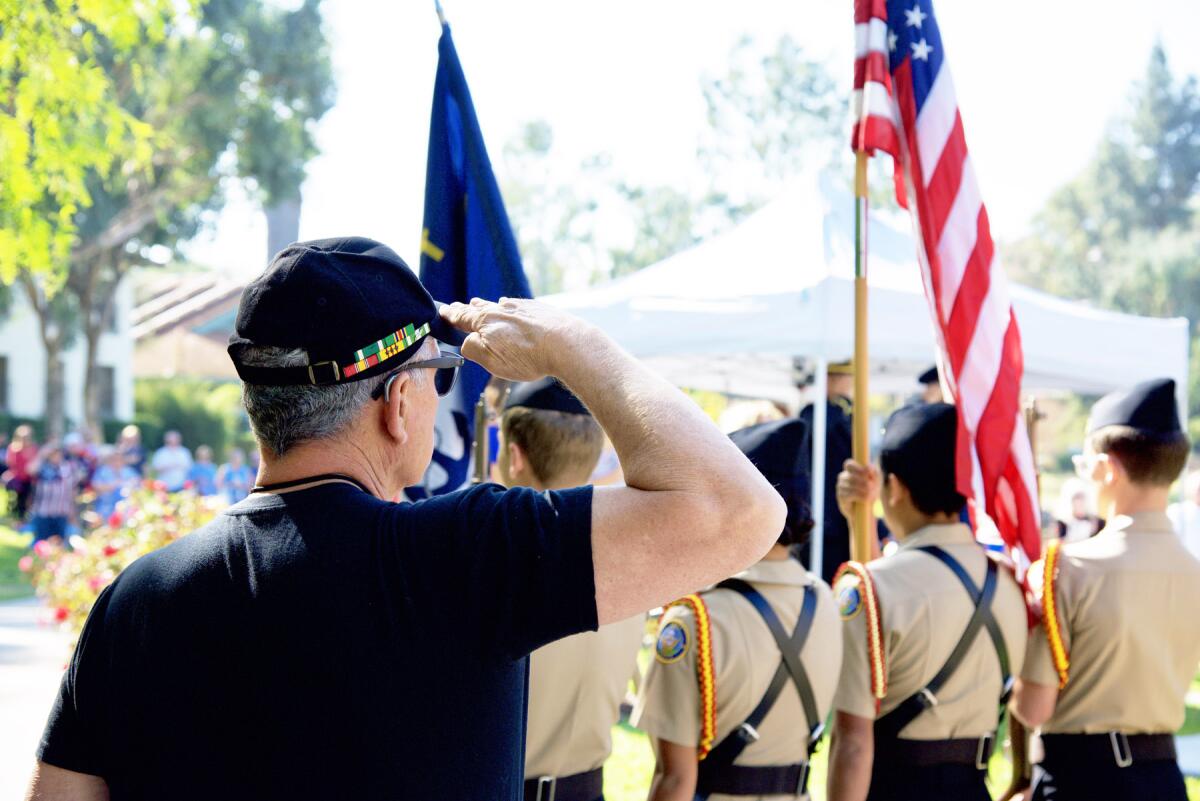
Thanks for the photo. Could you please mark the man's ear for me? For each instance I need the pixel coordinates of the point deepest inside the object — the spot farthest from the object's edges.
(895, 489)
(397, 407)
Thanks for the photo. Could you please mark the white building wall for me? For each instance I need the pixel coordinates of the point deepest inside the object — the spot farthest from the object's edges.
(21, 343)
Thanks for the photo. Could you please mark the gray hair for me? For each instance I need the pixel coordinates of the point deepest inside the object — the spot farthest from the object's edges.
(283, 417)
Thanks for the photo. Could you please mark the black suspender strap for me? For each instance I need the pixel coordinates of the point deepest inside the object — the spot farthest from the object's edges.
(989, 620)
(890, 725)
(728, 750)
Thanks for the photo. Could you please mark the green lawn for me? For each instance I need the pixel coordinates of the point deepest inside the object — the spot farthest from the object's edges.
(13, 583)
(627, 773)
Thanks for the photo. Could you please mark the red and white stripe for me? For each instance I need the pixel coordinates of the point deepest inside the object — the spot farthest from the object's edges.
(964, 281)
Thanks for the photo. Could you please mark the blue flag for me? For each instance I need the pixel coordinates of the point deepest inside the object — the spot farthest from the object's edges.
(467, 251)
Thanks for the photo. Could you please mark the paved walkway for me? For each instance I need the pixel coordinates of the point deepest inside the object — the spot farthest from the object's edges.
(32, 656)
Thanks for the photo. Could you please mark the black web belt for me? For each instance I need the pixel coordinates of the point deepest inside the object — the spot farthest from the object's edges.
(586, 786)
(1109, 747)
(717, 773)
(889, 747)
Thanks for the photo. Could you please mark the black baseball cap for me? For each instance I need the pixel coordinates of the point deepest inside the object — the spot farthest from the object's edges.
(351, 304)
(1149, 406)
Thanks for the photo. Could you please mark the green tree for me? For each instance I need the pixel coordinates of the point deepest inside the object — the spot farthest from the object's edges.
(1123, 233)
(771, 114)
(60, 120)
(232, 94)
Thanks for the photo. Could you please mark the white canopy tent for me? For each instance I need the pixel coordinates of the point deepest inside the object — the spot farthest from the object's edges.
(731, 313)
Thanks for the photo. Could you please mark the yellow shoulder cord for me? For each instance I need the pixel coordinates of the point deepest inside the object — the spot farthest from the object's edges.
(875, 650)
(1053, 623)
(705, 673)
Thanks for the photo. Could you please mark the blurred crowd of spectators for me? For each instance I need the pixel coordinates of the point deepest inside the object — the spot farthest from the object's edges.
(54, 486)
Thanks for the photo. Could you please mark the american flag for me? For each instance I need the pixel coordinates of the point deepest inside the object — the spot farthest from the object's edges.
(905, 106)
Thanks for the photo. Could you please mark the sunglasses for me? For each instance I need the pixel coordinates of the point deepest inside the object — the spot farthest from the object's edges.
(445, 369)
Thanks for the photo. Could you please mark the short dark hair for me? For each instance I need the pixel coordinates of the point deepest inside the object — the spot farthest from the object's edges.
(933, 491)
(554, 442)
(1150, 458)
(798, 525)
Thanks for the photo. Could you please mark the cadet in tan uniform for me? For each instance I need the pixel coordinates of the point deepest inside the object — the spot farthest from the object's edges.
(732, 714)
(1109, 666)
(548, 441)
(931, 633)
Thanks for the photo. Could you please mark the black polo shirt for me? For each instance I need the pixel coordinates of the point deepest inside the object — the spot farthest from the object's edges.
(326, 644)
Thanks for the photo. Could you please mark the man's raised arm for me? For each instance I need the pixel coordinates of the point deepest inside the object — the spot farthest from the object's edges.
(693, 511)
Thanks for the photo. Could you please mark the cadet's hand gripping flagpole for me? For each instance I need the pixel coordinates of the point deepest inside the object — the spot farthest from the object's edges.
(860, 529)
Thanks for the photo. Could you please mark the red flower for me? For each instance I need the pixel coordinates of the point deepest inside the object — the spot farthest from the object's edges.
(109, 550)
(96, 583)
(43, 548)
(61, 614)
(114, 520)
(25, 563)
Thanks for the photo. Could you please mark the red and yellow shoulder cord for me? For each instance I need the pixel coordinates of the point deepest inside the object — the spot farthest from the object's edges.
(705, 673)
(875, 650)
(1053, 624)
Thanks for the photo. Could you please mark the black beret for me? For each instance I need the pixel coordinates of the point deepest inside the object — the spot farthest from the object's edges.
(351, 304)
(779, 449)
(921, 440)
(930, 376)
(545, 394)
(1150, 407)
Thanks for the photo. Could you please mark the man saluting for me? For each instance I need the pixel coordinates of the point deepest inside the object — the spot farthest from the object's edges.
(319, 641)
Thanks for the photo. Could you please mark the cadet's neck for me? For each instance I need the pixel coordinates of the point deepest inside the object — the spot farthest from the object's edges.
(1133, 499)
(778, 553)
(917, 521)
(558, 483)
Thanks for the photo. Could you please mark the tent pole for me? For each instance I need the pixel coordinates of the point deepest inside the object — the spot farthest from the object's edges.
(820, 406)
(860, 530)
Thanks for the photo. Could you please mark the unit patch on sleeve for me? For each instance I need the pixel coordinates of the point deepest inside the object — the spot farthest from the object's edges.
(849, 596)
(672, 643)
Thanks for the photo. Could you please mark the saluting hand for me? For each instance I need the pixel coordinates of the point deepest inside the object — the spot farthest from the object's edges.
(520, 340)
(856, 482)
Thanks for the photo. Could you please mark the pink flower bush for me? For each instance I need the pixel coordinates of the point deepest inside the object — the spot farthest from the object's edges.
(71, 576)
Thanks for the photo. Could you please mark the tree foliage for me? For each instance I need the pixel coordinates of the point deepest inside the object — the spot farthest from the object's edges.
(771, 114)
(231, 92)
(60, 120)
(1124, 232)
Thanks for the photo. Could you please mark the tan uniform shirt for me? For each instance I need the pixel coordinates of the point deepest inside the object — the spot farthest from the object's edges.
(745, 657)
(1127, 602)
(576, 686)
(924, 610)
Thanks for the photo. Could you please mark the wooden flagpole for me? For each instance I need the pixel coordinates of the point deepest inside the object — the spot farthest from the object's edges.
(860, 530)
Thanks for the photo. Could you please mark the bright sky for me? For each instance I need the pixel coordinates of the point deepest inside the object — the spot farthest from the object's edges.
(1037, 82)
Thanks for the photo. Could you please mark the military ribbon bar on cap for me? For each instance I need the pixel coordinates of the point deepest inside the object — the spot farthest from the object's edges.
(705, 673)
(384, 349)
